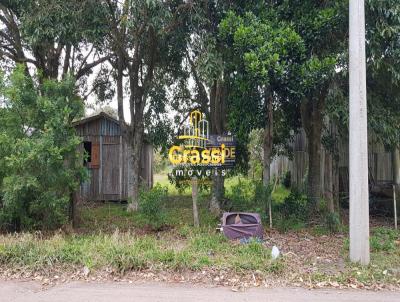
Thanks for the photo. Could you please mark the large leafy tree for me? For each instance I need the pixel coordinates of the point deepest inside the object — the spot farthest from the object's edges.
(146, 40)
(40, 165)
(383, 70)
(210, 60)
(269, 52)
(54, 37)
(322, 26)
(205, 59)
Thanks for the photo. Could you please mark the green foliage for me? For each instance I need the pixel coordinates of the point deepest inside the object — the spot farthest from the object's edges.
(295, 206)
(39, 165)
(332, 222)
(112, 216)
(383, 239)
(383, 73)
(59, 21)
(289, 224)
(151, 205)
(292, 213)
(264, 54)
(249, 196)
(127, 252)
(255, 147)
(160, 162)
(48, 31)
(245, 196)
(286, 179)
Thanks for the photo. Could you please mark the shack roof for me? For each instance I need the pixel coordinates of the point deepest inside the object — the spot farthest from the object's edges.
(95, 117)
(106, 116)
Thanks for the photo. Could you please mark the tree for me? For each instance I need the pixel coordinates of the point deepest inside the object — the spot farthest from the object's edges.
(147, 40)
(54, 38)
(383, 75)
(323, 27)
(382, 52)
(208, 58)
(40, 165)
(268, 50)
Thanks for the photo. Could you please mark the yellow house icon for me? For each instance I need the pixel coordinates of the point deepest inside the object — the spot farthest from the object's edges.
(195, 132)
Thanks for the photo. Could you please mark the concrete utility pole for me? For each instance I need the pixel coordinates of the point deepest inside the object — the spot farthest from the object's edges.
(358, 144)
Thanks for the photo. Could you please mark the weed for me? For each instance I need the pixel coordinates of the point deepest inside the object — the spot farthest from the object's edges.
(383, 239)
(151, 205)
(332, 222)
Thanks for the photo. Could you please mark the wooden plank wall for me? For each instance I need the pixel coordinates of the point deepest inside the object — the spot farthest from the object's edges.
(110, 180)
(379, 162)
(279, 165)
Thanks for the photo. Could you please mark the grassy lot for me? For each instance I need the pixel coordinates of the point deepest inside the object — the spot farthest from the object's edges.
(110, 238)
(278, 195)
(128, 251)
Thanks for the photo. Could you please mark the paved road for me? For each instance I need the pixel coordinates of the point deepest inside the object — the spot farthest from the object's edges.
(122, 292)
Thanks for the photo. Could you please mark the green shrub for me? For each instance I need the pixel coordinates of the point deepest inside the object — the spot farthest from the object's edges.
(291, 223)
(241, 196)
(287, 179)
(294, 206)
(383, 239)
(151, 205)
(249, 195)
(292, 213)
(39, 162)
(332, 222)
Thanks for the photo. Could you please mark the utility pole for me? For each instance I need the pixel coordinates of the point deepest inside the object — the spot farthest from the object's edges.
(358, 137)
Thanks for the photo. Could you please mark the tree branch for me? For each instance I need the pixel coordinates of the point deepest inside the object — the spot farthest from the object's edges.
(82, 71)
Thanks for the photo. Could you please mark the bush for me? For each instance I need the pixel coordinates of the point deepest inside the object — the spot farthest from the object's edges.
(242, 196)
(295, 206)
(286, 224)
(287, 180)
(293, 213)
(39, 162)
(383, 239)
(250, 196)
(151, 206)
(332, 222)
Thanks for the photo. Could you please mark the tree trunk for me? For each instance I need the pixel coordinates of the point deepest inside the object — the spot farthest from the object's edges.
(136, 143)
(120, 91)
(336, 197)
(311, 113)
(137, 103)
(329, 181)
(136, 132)
(268, 136)
(335, 168)
(314, 169)
(195, 191)
(217, 194)
(217, 117)
(74, 201)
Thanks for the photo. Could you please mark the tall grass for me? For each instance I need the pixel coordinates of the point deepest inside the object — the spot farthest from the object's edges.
(126, 251)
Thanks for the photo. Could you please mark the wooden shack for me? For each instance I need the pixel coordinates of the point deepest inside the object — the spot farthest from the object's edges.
(107, 159)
